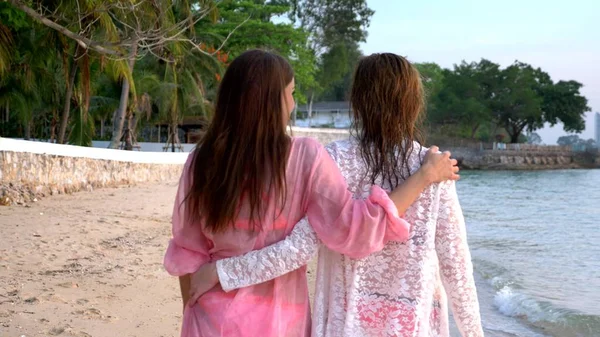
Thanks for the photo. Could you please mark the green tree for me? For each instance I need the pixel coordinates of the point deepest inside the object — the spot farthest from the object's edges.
(432, 76)
(577, 143)
(562, 102)
(31, 90)
(533, 138)
(332, 22)
(336, 70)
(115, 32)
(569, 140)
(526, 97)
(11, 20)
(461, 98)
(244, 25)
(336, 28)
(516, 103)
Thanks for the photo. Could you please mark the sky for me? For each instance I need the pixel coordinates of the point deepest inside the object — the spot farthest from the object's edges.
(558, 36)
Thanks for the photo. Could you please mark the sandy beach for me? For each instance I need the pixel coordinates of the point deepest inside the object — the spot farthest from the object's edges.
(89, 264)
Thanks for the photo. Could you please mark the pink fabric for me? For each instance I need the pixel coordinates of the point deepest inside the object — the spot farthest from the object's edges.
(280, 307)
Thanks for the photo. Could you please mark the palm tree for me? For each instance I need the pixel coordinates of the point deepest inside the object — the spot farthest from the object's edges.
(34, 75)
(183, 90)
(6, 45)
(51, 74)
(173, 93)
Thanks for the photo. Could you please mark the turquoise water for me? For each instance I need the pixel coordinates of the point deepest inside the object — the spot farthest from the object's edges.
(535, 243)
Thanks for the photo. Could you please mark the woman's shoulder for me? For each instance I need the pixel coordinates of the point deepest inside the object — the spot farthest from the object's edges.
(333, 149)
(307, 146)
(416, 156)
(306, 141)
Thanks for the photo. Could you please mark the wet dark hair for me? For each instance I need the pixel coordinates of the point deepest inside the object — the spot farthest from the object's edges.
(388, 102)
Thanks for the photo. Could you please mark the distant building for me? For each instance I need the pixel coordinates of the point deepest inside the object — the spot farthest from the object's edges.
(597, 129)
(324, 114)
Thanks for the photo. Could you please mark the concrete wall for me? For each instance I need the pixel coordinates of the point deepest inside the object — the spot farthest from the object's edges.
(30, 170)
(325, 136)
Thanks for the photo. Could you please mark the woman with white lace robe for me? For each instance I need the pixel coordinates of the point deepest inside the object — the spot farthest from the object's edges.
(404, 289)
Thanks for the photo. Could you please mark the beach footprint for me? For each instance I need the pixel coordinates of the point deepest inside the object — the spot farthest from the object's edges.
(67, 330)
(83, 301)
(93, 313)
(59, 330)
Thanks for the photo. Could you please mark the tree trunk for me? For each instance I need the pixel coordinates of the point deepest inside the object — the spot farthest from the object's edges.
(133, 127)
(474, 130)
(130, 139)
(102, 121)
(53, 127)
(514, 132)
(27, 130)
(64, 118)
(173, 135)
(119, 119)
(127, 135)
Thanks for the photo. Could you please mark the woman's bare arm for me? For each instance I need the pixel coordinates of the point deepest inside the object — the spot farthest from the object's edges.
(184, 285)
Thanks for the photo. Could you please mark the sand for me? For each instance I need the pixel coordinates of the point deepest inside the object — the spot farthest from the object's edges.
(89, 264)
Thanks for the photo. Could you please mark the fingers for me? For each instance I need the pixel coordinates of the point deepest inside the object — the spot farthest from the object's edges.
(439, 161)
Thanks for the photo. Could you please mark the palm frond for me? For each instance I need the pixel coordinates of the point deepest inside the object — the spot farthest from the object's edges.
(6, 47)
(102, 107)
(83, 129)
(119, 70)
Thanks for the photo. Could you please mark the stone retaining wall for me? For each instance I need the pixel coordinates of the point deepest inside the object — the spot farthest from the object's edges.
(514, 160)
(30, 170)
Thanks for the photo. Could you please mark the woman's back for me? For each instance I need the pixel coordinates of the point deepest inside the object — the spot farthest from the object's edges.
(283, 299)
(398, 291)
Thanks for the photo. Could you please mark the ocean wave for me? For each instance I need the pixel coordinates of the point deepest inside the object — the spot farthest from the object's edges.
(552, 320)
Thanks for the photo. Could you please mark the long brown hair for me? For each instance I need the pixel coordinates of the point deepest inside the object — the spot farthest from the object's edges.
(243, 155)
(387, 101)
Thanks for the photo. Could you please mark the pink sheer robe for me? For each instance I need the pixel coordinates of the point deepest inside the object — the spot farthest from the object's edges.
(279, 307)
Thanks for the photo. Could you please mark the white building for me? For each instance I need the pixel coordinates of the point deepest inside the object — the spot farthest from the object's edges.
(324, 114)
